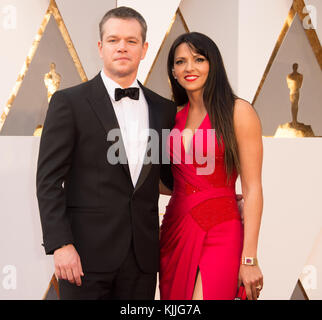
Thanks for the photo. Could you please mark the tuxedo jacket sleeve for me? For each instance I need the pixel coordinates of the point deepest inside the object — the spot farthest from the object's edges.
(165, 171)
(54, 161)
(166, 176)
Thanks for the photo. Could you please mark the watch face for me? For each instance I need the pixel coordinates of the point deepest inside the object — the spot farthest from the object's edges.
(249, 261)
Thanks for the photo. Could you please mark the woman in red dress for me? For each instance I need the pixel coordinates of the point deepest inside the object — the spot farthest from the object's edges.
(206, 250)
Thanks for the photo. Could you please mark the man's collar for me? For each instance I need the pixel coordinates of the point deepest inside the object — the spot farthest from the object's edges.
(111, 85)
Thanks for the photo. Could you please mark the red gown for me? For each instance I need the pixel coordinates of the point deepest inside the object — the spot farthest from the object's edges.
(201, 229)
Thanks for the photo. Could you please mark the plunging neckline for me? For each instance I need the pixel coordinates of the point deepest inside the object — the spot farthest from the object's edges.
(184, 127)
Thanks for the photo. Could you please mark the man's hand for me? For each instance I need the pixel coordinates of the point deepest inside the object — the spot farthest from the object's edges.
(68, 265)
(240, 203)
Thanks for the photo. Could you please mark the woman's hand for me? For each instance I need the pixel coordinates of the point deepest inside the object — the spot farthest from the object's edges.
(240, 203)
(252, 278)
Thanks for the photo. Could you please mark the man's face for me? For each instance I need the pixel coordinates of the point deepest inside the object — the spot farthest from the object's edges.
(121, 48)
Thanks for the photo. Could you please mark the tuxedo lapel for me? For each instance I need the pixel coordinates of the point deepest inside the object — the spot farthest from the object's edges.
(154, 124)
(103, 108)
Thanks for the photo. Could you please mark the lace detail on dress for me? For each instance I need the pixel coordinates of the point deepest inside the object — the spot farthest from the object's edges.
(214, 211)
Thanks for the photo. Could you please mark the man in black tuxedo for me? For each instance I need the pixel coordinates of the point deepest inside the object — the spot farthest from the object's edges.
(100, 219)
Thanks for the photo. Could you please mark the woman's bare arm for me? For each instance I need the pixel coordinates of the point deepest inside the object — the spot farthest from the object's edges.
(249, 140)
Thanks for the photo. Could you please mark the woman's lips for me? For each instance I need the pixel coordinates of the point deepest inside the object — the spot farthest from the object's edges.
(191, 78)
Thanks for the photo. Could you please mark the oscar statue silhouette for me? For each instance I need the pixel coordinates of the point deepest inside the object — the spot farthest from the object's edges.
(52, 83)
(294, 128)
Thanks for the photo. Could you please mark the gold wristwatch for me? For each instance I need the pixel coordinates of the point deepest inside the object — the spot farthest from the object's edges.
(249, 261)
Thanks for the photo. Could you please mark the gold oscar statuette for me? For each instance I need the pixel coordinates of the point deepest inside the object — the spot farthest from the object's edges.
(52, 82)
(294, 128)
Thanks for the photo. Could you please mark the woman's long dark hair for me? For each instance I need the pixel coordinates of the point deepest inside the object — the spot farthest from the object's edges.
(219, 98)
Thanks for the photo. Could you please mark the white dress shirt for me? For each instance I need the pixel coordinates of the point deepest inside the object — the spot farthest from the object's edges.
(133, 119)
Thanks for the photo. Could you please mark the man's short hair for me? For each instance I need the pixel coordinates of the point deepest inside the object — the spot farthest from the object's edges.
(124, 13)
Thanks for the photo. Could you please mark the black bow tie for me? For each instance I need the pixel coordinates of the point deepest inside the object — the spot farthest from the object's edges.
(132, 93)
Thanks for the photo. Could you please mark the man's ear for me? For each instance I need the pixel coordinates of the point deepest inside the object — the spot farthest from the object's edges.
(144, 51)
(99, 45)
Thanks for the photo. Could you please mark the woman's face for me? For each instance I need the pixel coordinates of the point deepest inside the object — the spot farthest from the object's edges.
(190, 68)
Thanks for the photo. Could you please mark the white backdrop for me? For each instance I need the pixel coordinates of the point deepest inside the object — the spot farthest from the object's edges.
(246, 32)
(255, 28)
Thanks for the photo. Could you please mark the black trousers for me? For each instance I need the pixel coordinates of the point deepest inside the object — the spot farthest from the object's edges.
(127, 283)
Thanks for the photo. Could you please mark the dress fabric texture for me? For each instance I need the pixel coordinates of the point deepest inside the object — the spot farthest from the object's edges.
(201, 229)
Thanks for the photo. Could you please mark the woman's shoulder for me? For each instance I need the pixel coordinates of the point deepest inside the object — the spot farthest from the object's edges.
(245, 114)
(242, 105)
(243, 109)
